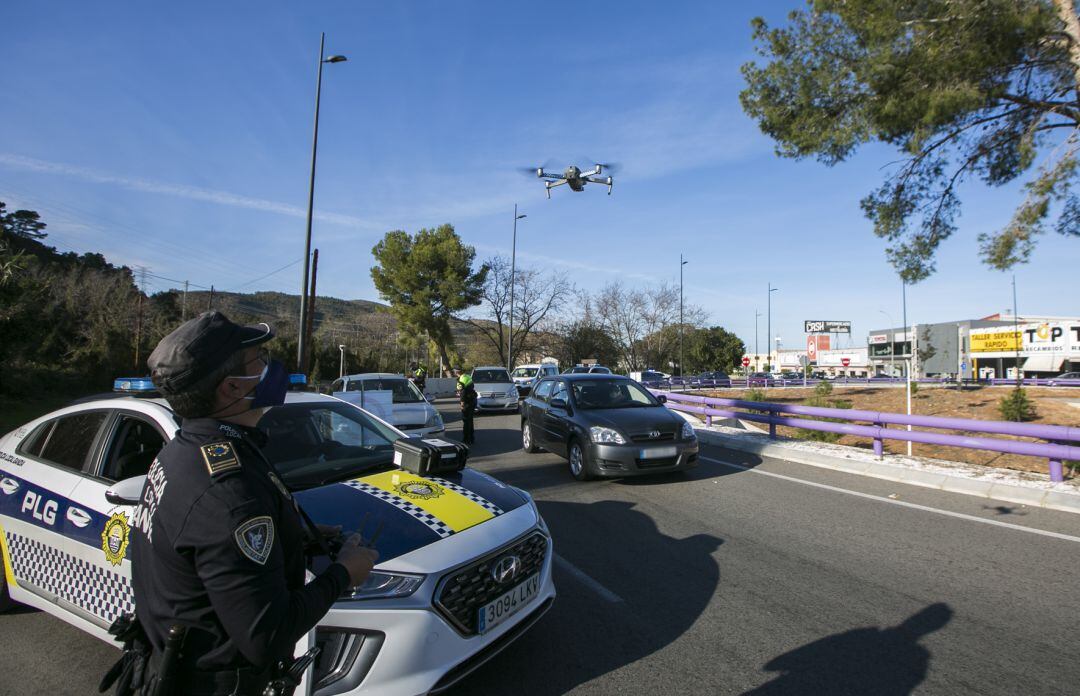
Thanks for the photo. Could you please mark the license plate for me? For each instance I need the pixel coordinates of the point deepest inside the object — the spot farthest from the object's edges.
(498, 611)
(659, 452)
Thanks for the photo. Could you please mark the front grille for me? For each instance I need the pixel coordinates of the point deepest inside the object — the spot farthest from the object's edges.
(492, 395)
(665, 434)
(656, 463)
(463, 591)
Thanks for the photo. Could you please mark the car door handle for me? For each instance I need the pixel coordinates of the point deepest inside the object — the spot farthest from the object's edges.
(77, 517)
(8, 486)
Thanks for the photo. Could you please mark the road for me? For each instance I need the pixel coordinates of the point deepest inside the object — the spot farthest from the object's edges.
(744, 576)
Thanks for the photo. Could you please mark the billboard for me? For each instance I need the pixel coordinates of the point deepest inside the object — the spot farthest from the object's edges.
(994, 341)
(816, 343)
(1042, 337)
(822, 326)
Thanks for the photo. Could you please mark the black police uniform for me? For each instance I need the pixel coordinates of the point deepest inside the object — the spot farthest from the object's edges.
(218, 547)
(467, 400)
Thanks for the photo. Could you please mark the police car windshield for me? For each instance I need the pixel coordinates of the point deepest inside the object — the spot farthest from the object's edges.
(404, 391)
(319, 442)
(610, 393)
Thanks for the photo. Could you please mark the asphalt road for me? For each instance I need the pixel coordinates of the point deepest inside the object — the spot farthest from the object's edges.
(743, 576)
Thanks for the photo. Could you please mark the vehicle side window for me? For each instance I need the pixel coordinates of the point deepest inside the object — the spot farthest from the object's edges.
(543, 390)
(560, 392)
(356, 385)
(135, 443)
(33, 443)
(68, 444)
(337, 386)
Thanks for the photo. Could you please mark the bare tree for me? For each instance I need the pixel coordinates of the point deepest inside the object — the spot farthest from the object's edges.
(637, 320)
(537, 299)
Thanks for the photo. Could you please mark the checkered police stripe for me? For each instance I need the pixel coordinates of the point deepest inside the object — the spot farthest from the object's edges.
(482, 502)
(99, 591)
(431, 521)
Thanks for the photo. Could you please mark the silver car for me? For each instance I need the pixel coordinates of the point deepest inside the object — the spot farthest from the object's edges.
(408, 410)
(495, 391)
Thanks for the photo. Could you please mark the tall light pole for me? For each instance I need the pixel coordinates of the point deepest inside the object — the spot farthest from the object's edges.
(768, 326)
(342, 349)
(681, 264)
(300, 347)
(513, 279)
(892, 356)
(911, 355)
(756, 352)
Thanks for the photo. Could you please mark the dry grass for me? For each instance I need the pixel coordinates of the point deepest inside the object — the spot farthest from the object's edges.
(978, 403)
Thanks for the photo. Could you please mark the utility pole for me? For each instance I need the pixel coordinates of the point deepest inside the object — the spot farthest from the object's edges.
(183, 304)
(910, 353)
(310, 314)
(756, 351)
(138, 316)
(210, 301)
(768, 326)
(681, 264)
(1016, 332)
(513, 282)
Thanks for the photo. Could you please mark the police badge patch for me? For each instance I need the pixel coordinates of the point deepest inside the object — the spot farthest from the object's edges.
(114, 538)
(256, 538)
(419, 489)
(219, 458)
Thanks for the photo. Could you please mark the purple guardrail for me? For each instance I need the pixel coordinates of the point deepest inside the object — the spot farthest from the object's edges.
(1056, 450)
(736, 382)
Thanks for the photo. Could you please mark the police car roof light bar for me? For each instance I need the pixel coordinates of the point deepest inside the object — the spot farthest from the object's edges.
(139, 385)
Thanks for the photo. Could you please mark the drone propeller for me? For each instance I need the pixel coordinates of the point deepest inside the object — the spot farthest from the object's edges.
(531, 171)
(610, 167)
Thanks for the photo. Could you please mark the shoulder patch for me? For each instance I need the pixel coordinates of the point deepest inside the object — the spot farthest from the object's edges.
(219, 457)
(256, 538)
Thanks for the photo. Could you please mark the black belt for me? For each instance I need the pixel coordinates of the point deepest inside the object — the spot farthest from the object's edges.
(240, 681)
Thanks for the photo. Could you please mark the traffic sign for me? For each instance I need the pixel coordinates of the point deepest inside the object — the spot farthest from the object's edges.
(845, 361)
(745, 362)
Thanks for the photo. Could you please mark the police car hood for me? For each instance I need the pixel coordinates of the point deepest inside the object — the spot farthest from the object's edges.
(410, 511)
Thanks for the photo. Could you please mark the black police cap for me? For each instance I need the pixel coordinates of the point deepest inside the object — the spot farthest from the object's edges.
(198, 347)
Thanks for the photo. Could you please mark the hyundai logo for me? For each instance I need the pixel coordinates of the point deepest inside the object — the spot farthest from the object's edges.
(506, 569)
(654, 434)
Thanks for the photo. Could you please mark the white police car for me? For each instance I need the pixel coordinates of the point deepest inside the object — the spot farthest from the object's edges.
(464, 560)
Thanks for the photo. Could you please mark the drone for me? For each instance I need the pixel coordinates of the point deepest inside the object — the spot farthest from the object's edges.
(575, 178)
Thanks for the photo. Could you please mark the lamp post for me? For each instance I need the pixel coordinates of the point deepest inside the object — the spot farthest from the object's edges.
(892, 351)
(300, 347)
(768, 326)
(342, 349)
(911, 355)
(681, 264)
(756, 348)
(513, 278)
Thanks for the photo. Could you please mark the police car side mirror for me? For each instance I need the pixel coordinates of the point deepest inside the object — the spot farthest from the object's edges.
(662, 399)
(126, 492)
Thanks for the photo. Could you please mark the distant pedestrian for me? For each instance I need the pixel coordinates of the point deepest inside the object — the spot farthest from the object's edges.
(467, 401)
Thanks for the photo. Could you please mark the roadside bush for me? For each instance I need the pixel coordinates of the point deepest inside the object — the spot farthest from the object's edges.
(914, 388)
(755, 395)
(1017, 406)
(822, 389)
(820, 400)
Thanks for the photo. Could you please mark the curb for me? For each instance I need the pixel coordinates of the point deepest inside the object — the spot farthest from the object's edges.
(996, 490)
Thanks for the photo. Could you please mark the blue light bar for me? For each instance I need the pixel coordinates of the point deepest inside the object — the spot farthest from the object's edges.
(133, 384)
(297, 378)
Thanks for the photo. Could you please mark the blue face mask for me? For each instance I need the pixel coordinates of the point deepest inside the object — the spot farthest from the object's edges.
(272, 387)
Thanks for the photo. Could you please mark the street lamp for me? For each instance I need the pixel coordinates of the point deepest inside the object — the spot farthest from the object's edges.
(300, 347)
(892, 356)
(681, 264)
(513, 277)
(756, 352)
(768, 329)
(342, 349)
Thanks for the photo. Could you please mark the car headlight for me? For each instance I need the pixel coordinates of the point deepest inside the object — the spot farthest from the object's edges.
(512, 392)
(385, 585)
(607, 436)
(688, 431)
(434, 420)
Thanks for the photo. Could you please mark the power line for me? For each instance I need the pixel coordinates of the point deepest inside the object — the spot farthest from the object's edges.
(288, 265)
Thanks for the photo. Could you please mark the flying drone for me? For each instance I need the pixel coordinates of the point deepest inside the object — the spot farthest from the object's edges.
(575, 178)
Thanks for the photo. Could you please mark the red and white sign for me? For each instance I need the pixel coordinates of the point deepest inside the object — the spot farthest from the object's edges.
(745, 362)
(845, 361)
(814, 343)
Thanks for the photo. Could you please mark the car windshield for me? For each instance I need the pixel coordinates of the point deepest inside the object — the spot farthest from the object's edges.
(315, 443)
(610, 393)
(600, 371)
(526, 372)
(490, 376)
(405, 392)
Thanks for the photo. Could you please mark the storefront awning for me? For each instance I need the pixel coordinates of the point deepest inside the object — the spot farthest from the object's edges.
(1043, 363)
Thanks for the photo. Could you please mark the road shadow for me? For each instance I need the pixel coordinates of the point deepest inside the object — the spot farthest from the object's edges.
(586, 634)
(882, 661)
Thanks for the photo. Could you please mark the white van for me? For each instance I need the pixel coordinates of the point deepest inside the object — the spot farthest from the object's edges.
(411, 412)
(525, 376)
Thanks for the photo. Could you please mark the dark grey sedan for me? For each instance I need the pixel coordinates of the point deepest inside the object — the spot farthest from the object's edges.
(606, 425)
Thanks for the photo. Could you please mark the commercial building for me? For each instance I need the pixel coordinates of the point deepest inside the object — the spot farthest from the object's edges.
(993, 346)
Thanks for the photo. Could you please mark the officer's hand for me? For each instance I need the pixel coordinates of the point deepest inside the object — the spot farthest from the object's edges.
(329, 530)
(357, 559)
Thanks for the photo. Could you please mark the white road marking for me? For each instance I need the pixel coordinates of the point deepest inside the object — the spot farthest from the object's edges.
(584, 579)
(881, 499)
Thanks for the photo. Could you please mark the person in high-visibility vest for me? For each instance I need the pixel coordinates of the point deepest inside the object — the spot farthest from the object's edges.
(419, 376)
(467, 401)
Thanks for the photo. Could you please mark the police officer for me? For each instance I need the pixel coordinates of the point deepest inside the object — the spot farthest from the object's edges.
(218, 546)
(467, 401)
(419, 375)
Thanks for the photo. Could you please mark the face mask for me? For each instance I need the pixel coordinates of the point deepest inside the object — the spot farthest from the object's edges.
(272, 387)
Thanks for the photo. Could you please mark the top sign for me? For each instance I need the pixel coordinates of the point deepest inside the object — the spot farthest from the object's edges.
(845, 361)
(821, 326)
(745, 362)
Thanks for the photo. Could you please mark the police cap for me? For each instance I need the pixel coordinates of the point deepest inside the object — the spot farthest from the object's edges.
(197, 347)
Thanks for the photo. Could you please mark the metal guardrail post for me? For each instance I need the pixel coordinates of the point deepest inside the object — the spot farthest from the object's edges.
(879, 448)
(1057, 472)
(708, 421)
(772, 424)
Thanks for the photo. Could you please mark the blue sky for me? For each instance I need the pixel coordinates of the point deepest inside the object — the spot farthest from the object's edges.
(178, 137)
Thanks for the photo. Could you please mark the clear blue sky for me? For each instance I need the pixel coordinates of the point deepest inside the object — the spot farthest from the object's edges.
(178, 136)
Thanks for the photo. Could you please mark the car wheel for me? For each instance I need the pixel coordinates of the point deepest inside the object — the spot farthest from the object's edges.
(579, 463)
(527, 443)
